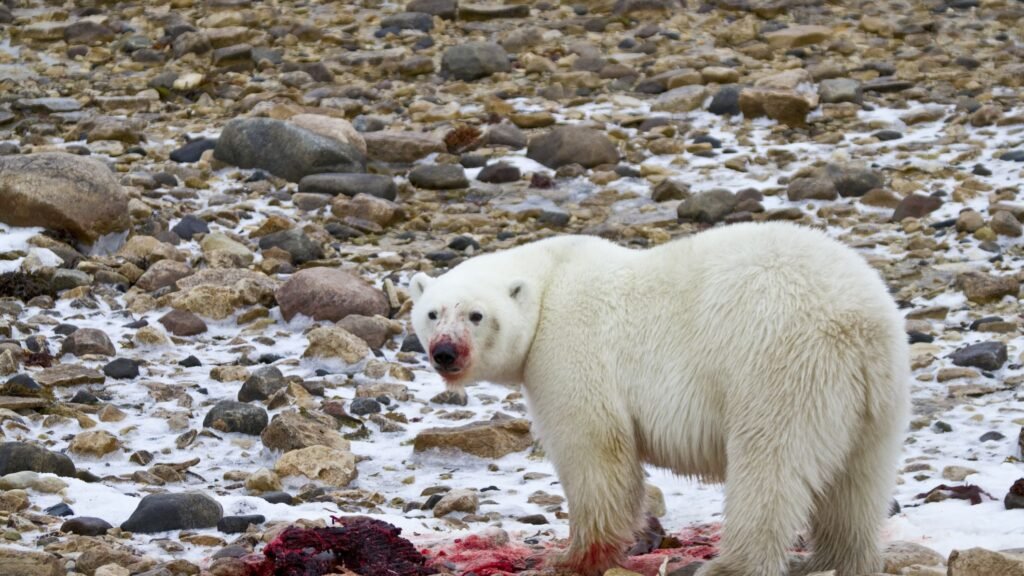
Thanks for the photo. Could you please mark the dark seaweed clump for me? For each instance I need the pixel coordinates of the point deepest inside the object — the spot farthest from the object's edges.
(363, 545)
(23, 286)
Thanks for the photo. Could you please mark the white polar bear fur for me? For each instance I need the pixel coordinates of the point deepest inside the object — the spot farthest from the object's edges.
(767, 356)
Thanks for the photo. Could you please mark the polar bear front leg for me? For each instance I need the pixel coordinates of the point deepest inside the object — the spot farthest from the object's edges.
(603, 483)
(594, 453)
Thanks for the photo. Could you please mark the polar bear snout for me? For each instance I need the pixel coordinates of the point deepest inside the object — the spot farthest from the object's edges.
(448, 357)
(445, 355)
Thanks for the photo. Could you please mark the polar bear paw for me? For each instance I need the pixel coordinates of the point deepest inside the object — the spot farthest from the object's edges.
(590, 560)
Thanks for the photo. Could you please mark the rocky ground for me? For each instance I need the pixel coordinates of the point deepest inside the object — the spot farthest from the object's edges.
(209, 210)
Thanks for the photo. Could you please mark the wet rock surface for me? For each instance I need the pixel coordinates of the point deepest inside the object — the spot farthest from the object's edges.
(211, 211)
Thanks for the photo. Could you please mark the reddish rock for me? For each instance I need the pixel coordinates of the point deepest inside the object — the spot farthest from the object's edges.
(64, 192)
(572, 145)
(916, 206)
(329, 294)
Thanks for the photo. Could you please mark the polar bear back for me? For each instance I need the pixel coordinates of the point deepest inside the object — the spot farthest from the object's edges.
(702, 323)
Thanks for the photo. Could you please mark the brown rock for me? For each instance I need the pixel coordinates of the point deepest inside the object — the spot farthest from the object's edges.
(292, 430)
(670, 189)
(94, 443)
(335, 342)
(899, 555)
(682, 99)
(880, 198)
(263, 480)
(30, 562)
(103, 554)
(163, 273)
(218, 293)
(229, 566)
(87, 341)
(332, 466)
(796, 36)
(16, 403)
(983, 288)
(224, 252)
(69, 375)
(151, 336)
(401, 147)
(336, 128)
(495, 438)
(128, 131)
(1005, 224)
(981, 562)
(235, 278)
(14, 500)
(144, 251)
(923, 114)
(399, 392)
(374, 330)
(572, 145)
(969, 221)
(457, 501)
(215, 302)
(366, 207)
(786, 106)
(812, 188)
(986, 116)
(183, 323)
(916, 206)
(62, 192)
(329, 294)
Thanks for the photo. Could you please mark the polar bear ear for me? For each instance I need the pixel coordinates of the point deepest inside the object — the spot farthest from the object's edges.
(518, 290)
(418, 285)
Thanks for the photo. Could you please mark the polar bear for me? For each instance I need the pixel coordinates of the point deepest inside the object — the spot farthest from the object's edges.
(767, 356)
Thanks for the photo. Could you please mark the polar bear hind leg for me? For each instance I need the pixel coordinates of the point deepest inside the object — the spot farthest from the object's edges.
(789, 441)
(848, 515)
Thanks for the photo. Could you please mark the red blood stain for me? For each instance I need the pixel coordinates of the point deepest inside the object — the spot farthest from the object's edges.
(462, 355)
(486, 557)
(597, 558)
(696, 544)
(366, 546)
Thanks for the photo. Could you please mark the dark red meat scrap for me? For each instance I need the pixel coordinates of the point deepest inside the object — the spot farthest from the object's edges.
(965, 492)
(363, 545)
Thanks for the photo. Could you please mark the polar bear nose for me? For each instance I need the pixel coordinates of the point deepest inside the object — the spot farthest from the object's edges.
(444, 355)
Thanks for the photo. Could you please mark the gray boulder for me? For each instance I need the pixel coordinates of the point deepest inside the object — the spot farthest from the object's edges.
(183, 511)
(474, 60)
(284, 150)
(350, 184)
(708, 207)
(20, 456)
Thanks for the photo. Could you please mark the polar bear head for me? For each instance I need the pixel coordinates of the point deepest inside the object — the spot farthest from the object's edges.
(474, 323)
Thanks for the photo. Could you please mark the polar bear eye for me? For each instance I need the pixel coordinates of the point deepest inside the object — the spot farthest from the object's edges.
(432, 315)
(476, 317)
